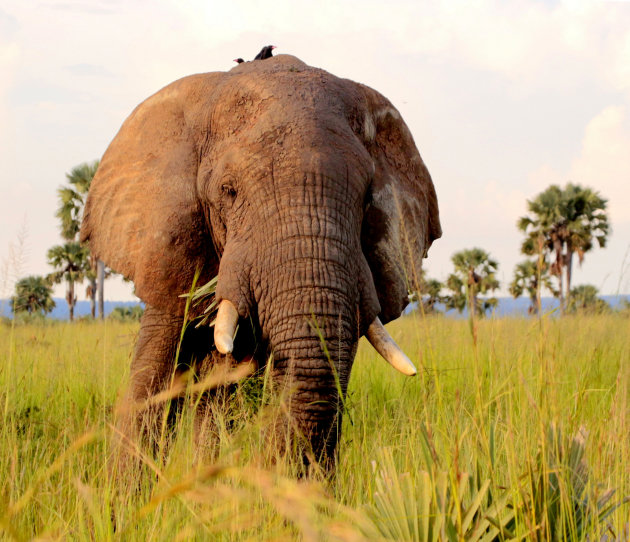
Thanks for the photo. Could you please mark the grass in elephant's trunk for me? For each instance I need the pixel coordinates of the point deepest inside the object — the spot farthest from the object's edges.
(203, 297)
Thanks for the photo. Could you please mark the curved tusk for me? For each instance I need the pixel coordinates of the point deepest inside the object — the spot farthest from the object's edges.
(225, 326)
(386, 347)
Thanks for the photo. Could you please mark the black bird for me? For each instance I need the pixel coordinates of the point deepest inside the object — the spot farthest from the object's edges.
(239, 60)
(265, 52)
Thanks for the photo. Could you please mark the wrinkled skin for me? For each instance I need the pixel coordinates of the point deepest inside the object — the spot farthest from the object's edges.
(304, 192)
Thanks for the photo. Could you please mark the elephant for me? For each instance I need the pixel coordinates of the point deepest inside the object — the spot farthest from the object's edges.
(302, 192)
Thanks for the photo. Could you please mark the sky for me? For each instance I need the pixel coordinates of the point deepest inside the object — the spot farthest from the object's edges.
(503, 98)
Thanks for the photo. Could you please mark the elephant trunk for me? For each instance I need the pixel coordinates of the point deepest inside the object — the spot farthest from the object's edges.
(313, 342)
(305, 279)
(311, 317)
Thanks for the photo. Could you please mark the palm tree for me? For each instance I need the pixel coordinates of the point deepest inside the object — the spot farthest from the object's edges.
(530, 276)
(561, 223)
(428, 293)
(583, 299)
(72, 198)
(33, 295)
(91, 274)
(70, 212)
(70, 262)
(457, 299)
(431, 297)
(475, 273)
(588, 222)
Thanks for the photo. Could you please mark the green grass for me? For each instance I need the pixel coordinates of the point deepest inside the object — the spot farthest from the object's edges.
(527, 429)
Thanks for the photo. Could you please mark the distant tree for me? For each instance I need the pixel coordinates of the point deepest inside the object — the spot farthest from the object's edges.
(475, 273)
(431, 295)
(457, 297)
(563, 222)
(70, 213)
(91, 274)
(33, 295)
(428, 294)
(125, 314)
(72, 199)
(70, 262)
(530, 277)
(583, 299)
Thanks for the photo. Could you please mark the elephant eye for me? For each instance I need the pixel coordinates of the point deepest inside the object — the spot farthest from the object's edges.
(228, 190)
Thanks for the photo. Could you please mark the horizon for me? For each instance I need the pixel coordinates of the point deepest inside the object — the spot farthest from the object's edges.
(507, 306)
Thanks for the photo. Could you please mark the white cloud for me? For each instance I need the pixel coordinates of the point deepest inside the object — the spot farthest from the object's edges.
(604, 161)
(485, 213)
(521, 40)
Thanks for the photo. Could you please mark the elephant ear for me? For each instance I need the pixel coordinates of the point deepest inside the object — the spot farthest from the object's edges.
(143, 217)
(402, 217)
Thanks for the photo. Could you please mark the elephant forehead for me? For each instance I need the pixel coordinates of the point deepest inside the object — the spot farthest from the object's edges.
(287, 129)
(289, 88)
(274, 90)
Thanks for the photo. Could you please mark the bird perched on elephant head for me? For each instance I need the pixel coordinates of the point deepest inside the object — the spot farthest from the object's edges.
(265, 52)
(303, 193)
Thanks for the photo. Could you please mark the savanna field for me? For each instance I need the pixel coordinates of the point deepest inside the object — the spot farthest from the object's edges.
(523, 435)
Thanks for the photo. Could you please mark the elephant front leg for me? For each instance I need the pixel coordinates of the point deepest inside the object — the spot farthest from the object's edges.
(140, 414)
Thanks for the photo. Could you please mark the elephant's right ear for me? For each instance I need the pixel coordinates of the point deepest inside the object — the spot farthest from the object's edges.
(402, 218)
(143, 217)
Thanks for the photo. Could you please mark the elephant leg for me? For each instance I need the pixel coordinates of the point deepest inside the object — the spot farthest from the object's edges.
(152, 371)
(215, 408)
(142, 419)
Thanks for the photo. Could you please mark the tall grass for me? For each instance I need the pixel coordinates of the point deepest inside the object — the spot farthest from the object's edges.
(521, 435)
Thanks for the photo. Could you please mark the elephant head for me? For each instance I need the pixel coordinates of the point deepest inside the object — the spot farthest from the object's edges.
(303, 192)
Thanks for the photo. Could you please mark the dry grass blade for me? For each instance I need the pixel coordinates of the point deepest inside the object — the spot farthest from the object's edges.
(239, 499)
(191, 480)
(221, 375)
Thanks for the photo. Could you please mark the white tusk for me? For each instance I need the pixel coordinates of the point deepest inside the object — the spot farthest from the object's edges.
(386, 347)
(225, 326)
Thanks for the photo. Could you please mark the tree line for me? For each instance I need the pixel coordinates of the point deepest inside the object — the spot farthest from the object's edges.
(560, 225)
(71, 261)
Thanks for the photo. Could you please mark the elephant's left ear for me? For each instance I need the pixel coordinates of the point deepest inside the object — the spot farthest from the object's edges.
(143, 216)
(402, 217)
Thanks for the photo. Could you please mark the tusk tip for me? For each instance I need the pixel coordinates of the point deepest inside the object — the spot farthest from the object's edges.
(386, 346)
(411, 371)
(405, 366)
(225, 327)
(224, 344)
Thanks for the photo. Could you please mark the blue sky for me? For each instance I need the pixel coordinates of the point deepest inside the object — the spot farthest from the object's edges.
(503, 98)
